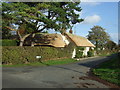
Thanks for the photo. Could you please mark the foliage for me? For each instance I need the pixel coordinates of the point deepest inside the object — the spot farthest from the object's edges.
(104, 52)
(33, 17)
(80, 48)
(111, 45)
(90, 53)
(7, 42)
(107, 52)
(98, 36)
(109, 70)
(79, 52)
(21, 55)
(6, 33)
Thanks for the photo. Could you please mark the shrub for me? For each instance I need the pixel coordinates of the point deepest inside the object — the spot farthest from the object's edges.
(7, 42)
(80, 48)
(27, 54)
(79, 52)
(90, 53)
(105, 52)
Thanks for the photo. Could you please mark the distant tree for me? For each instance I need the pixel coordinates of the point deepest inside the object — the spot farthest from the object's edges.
(119, 46)
(33, 17)
(98, 36)
(119, 43)
(111, 45)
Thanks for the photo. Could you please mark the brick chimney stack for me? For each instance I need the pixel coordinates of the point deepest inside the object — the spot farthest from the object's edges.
(71, 31)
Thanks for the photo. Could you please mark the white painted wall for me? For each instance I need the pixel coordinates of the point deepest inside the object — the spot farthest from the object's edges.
(65, 39)
(74, 53)
(85, 51)
(92, 48)
(67, 42)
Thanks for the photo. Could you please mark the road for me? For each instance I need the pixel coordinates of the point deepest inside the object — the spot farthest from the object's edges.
(56, 76)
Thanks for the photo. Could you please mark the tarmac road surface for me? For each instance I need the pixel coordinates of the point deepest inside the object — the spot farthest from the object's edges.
(56, 76)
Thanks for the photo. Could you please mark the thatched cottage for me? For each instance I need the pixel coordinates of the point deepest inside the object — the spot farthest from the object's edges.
(59, 40)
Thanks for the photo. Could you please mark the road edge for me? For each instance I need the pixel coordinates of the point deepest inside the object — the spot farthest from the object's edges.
(94, 77)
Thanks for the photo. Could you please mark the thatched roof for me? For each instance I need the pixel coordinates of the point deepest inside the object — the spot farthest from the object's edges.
(80, 41)
(56, 40)
(49, 39)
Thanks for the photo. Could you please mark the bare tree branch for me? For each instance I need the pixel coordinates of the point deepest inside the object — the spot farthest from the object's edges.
(10, 28)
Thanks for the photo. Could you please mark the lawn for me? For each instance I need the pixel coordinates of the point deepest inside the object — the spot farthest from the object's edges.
(109, 71)
(45, 63)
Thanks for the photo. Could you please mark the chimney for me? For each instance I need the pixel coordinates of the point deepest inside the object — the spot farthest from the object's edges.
(71, 31)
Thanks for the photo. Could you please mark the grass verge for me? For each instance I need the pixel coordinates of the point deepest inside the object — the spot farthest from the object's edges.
(109, 71)
(45, 63)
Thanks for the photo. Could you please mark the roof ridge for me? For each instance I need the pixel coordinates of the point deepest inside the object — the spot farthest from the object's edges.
(76, 35)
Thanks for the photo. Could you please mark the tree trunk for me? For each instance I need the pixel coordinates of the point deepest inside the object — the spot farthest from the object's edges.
(22, 39)
(32, 43)
(21, 42)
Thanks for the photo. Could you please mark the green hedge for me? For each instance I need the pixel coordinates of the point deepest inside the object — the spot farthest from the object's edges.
(7, 42)
(90, 53)
(20, 55)
(79, 52)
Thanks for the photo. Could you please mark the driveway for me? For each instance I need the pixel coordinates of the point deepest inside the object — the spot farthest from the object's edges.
(56, 76)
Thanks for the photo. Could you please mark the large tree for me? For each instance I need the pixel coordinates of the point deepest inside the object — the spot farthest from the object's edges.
(33, 17)
(98, 36)
(5, 32)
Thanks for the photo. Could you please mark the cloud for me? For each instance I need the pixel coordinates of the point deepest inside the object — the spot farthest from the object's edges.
(92, 19)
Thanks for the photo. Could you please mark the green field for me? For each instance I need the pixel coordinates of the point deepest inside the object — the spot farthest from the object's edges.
(45, 63)
(109, 71)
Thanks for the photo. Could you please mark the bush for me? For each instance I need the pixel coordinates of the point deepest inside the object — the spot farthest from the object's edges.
(7, 42)
(90, 53)
(80, 48)
(79, 52)
(21, 55)
(105, 52)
